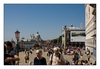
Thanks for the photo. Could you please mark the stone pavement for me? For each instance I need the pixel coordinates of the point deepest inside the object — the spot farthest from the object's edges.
(31, 57)
(66, 57)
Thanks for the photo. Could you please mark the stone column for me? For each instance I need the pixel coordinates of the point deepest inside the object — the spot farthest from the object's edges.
(65, 37)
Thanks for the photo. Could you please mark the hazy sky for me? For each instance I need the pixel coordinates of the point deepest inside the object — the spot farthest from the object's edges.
(47, 19)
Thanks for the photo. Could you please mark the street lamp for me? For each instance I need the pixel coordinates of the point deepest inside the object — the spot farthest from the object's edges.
(17, 35)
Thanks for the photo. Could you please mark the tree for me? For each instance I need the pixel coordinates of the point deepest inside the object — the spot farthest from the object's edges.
(59, 40)
(55, 40)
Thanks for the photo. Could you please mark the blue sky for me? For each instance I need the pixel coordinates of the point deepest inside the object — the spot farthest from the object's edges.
(47, 19)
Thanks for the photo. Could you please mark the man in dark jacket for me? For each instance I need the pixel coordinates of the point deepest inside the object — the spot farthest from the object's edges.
(11, 52)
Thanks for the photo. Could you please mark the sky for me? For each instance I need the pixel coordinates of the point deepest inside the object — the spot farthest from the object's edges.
(47, 19)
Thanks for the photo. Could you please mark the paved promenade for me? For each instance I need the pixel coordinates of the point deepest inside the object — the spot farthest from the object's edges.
(66, 57)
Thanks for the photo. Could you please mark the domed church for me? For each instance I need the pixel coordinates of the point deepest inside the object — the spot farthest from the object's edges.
(34, 39)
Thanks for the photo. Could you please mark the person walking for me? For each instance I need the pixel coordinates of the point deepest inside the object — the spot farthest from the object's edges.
(88, 54)
(26, 57)
(30, 50)
(76, 57)
(56, 58)
(39, 59)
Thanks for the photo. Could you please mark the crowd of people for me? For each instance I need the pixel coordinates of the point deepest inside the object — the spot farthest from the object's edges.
(55, 55)
(56, 58)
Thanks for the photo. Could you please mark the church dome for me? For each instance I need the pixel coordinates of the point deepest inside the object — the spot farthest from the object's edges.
(37, 36)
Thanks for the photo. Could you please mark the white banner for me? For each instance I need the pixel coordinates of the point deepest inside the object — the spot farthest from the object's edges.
(77, 36)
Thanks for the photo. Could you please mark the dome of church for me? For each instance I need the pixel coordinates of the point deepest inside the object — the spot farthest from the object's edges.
(37, 36)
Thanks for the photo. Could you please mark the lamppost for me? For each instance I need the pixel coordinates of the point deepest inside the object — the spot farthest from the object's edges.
(17, 35)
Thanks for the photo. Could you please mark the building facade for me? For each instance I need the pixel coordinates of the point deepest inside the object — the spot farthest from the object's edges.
(73, 36)
(90, 24)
